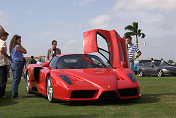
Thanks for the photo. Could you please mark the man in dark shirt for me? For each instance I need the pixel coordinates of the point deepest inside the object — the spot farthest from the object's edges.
(53, 51)
(32, 61)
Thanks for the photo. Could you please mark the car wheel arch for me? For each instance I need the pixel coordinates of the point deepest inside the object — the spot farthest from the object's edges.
(29, 91)
(47, 76)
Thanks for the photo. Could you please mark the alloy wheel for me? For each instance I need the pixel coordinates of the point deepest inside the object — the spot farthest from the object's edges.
(160, 73)
(141, 73)
(49, 90)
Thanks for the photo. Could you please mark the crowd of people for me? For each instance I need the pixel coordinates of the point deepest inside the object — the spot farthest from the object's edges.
(16, 57)
(16, 61)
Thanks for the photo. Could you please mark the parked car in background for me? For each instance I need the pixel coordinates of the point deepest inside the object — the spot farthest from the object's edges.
(157, 68)
(140, 64)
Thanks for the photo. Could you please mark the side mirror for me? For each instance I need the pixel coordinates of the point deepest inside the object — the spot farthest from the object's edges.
(109, 66)
(121, 64)
(46, 64)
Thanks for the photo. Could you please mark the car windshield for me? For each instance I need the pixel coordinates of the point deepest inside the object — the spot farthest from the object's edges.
(161, 64)
(80, 61)
(157, 64)
(164, 64)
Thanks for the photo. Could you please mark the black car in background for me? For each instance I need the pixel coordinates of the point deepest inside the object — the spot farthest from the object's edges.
(157, 68)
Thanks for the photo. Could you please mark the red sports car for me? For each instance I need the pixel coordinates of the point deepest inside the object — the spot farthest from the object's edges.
(85, 77)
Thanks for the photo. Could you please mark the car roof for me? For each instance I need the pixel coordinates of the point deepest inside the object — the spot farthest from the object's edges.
(72, 54)
(144, 61)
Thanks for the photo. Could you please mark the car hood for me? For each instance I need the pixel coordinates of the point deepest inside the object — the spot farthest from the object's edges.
(96, 76)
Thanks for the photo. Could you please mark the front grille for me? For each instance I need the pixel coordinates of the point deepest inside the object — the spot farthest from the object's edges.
(83, 94)
(108, 95)
(128, 92)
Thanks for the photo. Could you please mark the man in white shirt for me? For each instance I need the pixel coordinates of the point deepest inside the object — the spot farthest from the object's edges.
(131, 52)
(3, 62)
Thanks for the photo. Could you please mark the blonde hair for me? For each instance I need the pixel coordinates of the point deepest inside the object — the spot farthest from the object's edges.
(13, 42)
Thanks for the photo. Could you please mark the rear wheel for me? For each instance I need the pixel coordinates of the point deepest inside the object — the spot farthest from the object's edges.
(50, 90)
(141, 73)
(160, 73)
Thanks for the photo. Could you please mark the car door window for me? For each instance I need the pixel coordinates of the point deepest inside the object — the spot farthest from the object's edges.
(103, 46)
(53, 62)
(148, 64)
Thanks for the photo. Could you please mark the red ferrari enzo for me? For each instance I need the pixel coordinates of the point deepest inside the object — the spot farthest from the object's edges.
(85, 77)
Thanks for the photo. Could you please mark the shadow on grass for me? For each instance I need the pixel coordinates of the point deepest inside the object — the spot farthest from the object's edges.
(7, 101)
(145, 99)
(67, 116)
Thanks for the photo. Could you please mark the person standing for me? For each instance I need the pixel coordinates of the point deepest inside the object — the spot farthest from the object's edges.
(4, 61)
(16, 52)
(53, 51)
(39, 61)
(32, 61)
(131, 52)
(152, 60)
(162, 60)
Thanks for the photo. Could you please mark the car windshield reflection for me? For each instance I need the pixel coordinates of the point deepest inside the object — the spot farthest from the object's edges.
(160, 64)
(80, 61)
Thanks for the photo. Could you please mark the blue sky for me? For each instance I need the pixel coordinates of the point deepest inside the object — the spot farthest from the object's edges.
(41, 21)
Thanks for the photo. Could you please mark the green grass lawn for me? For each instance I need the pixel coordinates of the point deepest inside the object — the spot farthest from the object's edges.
(158, 100)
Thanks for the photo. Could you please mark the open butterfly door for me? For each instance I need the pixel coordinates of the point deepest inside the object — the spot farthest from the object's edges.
(116, 53)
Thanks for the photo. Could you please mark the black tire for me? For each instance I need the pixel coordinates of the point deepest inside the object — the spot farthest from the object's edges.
(160, 73)
(49, 89)
(141, 73)
(28, 83)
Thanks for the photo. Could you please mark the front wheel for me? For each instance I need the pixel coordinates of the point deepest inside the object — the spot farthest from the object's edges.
(141, 73)
(160, 73)
(27, 83)
(50, 90)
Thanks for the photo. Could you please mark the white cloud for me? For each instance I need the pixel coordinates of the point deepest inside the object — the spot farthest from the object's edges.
(155, 13)
(150, 12)
(145, 5)
(4, 18)
(82, 3)
(158, 47)
(56, 23)
(72, 46)
(59, 13)
(30, 12)
(100, 21)
(41, 41)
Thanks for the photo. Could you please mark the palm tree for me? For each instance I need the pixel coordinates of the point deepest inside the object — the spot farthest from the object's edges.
(134, 31)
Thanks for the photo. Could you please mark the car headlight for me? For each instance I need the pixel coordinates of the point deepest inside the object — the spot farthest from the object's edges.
(132, 77)
(66, 79)
(165, 70)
